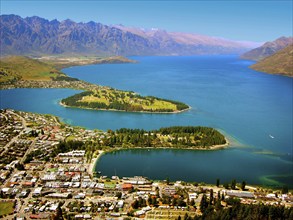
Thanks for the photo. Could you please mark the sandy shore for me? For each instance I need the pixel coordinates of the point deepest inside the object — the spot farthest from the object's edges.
(94, 160)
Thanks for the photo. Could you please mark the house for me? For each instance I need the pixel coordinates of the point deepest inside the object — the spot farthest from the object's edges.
(37, 191)
(120, 204)
(240, 194)
(127, 186)
(192, 196)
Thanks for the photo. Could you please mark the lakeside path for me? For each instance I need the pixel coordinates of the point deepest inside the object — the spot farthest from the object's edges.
(92, 165)
(94, 160)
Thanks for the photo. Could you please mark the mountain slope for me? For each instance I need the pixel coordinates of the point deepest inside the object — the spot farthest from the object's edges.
(267, 49)
(37, 36)
(14, 68)
(279, 63)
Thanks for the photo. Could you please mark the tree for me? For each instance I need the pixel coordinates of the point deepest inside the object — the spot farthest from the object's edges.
(203, 203)
(218, 182)
(19, 166)
(284, 189)
(59, 214)
(167, 180)
(211, 196)
(192, 203)
(233, 184)
(118, 195)
(226, 185)
(243, 184)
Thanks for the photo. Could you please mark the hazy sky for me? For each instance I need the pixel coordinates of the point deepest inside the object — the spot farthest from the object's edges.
(263, 20)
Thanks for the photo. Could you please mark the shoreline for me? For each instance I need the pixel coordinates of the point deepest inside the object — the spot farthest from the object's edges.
(115, 110)
(102, 152)
(91, 167)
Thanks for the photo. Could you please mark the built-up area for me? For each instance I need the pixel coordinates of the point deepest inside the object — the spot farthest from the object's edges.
(38, 183)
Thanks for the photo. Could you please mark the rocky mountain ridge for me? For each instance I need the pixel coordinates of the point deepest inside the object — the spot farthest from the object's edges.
(38, 36)
(279, 63)
(268, 49)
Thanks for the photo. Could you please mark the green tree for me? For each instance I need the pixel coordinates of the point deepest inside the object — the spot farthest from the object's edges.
(203, 203)
(211, 196)
(218, 182)
(226, 185)
(284, 189)
(168, 180)
(233, 184)
(243, 184)
(192, 202)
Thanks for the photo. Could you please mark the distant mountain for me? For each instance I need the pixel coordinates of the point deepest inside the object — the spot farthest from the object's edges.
(38, 36)
(268, 49)
(279, 63)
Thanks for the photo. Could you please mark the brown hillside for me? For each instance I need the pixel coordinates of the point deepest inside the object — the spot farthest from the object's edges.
(279, 63)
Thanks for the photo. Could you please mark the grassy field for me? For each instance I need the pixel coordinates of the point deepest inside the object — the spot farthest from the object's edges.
(6, 207)
(15, 68)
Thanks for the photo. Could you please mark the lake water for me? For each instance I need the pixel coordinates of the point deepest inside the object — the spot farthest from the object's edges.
(248, 106)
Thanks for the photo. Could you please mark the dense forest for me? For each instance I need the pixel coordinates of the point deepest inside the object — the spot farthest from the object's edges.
(177, 137)
(212, 209)
(122, 100)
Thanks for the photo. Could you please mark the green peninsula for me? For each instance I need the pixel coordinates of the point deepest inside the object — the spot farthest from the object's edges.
(112, 99)
(182, 137)
(25, 72)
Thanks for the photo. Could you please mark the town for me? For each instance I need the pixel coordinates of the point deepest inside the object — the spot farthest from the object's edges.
(43, 178)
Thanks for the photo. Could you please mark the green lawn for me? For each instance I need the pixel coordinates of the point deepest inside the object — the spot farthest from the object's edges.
(6, 207)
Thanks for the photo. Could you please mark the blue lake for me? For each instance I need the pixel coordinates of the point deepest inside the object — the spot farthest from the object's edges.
(248, 106)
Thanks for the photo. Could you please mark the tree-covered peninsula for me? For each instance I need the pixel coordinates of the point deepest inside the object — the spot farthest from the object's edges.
(112, 99)
(189, 137)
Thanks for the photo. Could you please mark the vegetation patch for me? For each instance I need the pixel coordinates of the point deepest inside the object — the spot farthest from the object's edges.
(6, 207)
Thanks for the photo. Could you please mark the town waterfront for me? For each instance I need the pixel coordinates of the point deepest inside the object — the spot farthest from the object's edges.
(254, 109)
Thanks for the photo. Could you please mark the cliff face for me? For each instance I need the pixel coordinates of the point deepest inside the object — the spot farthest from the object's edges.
(268, 49)
(37, 36)
(279, 63)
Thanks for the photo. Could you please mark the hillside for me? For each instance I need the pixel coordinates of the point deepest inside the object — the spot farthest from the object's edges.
(38, 36)
(14, 68)
(279, 63)
(267, 49)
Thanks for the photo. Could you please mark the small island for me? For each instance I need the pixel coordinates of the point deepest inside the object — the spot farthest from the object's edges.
(44, 72)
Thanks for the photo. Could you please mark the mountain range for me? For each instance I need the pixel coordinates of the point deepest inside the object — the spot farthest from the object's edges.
(38, 36)
(268, 49)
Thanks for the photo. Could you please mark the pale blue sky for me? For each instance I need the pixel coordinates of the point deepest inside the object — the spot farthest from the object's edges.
(251, 20)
